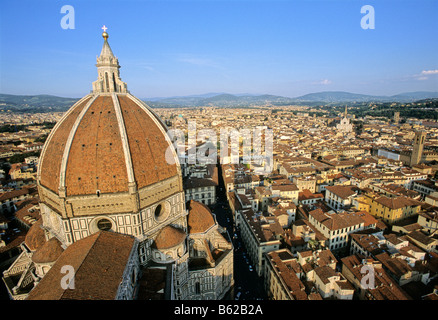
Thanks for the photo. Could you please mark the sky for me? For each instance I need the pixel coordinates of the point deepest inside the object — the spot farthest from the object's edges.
(175, 48)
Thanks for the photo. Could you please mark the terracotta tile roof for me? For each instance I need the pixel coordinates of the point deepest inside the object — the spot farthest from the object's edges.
(35, 237)
(315, 296)
(369, 242)
(194, 182)
(396, 202)
(169, 237)
(385, 287)
(50, 164)
(397, 267)
(306, 194)
(342, 191)
(234, 201)
(48, 252)
(285, 187)
(28, 214)
(325, 273)
(292, 284)
(147, 145)
(200, 218)
(9, 195)
(367, 218)
(421, 237)
(96, 158)
(318, 235)
(99, 262)
(336, 221)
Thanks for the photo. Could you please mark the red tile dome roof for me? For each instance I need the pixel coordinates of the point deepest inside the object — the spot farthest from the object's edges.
(49, 252)
(200, 218)
(169, 237)
(104, 143)
(35, 237)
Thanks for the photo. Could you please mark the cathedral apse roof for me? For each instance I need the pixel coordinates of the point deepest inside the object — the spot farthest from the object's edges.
(200, 218)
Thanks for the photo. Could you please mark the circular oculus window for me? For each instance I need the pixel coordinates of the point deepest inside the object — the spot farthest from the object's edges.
(104, 224)
(161, 212)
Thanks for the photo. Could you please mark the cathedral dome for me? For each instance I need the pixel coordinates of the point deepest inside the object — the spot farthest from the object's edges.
(102, 145)
(107, 143)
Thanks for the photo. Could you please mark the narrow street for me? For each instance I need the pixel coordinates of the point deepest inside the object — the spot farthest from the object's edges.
(246, 282)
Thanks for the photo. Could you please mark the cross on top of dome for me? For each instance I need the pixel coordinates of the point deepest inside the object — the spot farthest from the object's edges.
(104, 34)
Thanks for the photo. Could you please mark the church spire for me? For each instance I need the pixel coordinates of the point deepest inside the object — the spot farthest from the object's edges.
(108, 70)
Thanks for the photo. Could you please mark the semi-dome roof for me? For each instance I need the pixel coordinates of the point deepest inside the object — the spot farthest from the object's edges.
(108, 142)
(200, 218)
(49, 252)
(169, 237)
(35, 237)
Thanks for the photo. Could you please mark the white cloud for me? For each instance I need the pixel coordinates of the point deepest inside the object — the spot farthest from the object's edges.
(425, 74)
(325, 82)
(429, 72)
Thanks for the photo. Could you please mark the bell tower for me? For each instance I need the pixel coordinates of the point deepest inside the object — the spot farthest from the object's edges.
(108, 70)
(417, 147)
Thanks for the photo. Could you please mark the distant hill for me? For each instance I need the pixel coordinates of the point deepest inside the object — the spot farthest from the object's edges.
(413, 96)
(35, 103)
(221, 100)
(184, 98)
(312, 99)
(341, 96)
(50, 103)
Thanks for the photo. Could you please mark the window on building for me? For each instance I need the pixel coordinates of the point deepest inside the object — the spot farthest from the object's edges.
(104, 225)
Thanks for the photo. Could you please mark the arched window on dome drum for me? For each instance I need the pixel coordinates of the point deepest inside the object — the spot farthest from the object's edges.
(114, 83)
(197, 287)
(106, 82)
